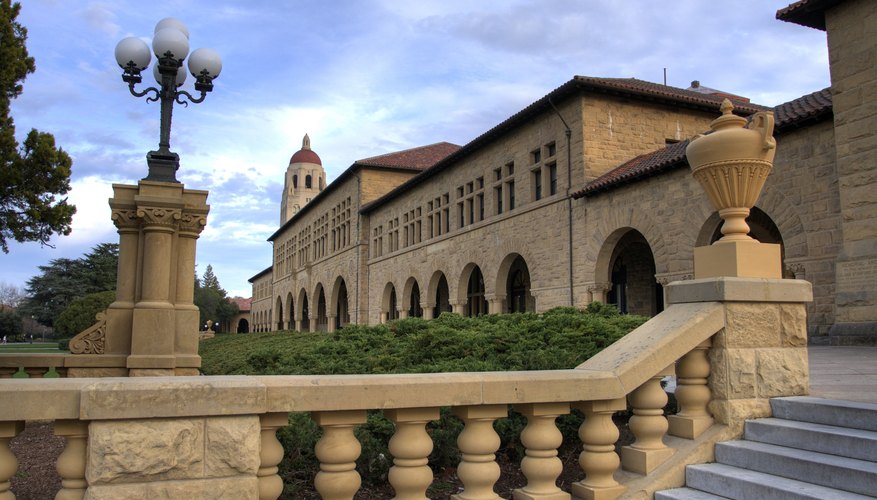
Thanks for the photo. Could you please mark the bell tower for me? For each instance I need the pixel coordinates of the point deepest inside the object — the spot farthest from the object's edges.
(304, 180)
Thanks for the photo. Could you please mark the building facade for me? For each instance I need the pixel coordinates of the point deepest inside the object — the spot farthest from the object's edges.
(586, 195)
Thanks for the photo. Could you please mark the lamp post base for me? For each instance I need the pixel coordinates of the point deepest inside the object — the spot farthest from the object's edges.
(162, 166)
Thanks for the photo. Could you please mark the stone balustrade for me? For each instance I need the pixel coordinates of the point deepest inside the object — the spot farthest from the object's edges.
(733, 343)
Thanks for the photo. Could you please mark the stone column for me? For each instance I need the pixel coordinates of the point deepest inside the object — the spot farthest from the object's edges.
(8, 462)
(121, 312)
(403, 313)
(495, 302)
(458, 307)
(384, 317)
(410, 446)
(478, 470)
(194, 218)
(541, 438)
(71, 462)
(598, 459)
(159, 207)
(337, 452)
(598, 291)
(331, 323)
(427, 310)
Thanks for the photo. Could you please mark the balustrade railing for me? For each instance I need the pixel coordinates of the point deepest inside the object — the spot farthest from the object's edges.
(204, 423)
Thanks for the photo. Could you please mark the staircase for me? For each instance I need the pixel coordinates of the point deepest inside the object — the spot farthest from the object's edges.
(812, 448)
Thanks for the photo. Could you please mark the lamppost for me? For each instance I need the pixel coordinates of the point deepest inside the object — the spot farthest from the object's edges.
(171, 46)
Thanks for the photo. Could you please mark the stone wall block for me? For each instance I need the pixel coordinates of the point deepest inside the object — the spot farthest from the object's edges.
(232, 488)
(232, 446)
(735, 412)
(782, 372)
(733, 374)
(793, 318)
(130, 451)
(752, 325)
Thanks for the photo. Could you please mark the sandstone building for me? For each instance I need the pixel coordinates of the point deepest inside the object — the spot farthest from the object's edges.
(586, 195)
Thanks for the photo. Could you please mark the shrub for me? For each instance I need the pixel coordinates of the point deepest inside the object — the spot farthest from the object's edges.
(80, 314)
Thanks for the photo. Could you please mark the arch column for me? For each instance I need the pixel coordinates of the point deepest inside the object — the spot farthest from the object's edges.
(427, 309)
(403, 313)
(495, 302)
(120, 313)
(458, 307)
(597, 291)
(331, 323)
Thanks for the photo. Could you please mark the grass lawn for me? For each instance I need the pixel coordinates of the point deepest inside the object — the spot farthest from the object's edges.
(42, 347)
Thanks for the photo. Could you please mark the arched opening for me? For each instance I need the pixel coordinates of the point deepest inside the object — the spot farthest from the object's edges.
(442, 297)
(761, 228)
(392, 312)
(279, 314)
(518, 297)
(304, 314)
(290, 311)
(632, 273)
(414, 308)
(322, 317)
(308, 181)
(295, 182)
(243, 326)
(342, 314)
(476, 304)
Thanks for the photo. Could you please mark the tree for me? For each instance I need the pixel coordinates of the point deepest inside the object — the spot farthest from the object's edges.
(81, 313)
(33, 176)
(10, 295)
(212, 299)
(63, 280)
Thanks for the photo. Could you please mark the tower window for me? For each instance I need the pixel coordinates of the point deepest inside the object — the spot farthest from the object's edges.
(308, 182)
(295, 182)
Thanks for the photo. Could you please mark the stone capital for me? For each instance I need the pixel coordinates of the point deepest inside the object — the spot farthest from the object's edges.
(159, 216)
(192, 223)
(125, 219)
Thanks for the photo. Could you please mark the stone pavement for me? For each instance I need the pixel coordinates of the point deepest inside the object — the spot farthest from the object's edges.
(844, 372)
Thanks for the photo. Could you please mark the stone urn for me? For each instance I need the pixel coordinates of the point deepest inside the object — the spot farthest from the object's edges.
(731, 163)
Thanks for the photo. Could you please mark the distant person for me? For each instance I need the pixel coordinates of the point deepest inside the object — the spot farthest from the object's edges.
(4, 339)
(31, 339)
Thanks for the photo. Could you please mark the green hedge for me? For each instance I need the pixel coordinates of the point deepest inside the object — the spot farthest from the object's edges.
(557, 339)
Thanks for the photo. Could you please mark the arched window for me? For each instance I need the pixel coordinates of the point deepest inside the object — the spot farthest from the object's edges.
(308, 182)
(476, 304)
(415, 311)
(392, 313)
(442, 297)
(518, 288)
(295, 182)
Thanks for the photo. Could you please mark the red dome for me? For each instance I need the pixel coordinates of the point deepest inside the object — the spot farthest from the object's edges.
(305, 156)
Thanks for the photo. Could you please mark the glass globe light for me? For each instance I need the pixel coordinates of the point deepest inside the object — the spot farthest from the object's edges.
(170, 40)
(205, 59)
(181, 75)
(133, 49)
(171, 22)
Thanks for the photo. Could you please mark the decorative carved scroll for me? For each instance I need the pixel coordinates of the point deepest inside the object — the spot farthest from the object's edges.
(92, 339)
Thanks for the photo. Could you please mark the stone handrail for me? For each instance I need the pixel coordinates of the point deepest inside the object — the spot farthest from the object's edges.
(230, 421)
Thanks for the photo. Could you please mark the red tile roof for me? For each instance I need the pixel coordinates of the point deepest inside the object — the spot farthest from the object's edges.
(650, 91)
(243, 304)
(810, 13)
(800, 112)
(419, 158)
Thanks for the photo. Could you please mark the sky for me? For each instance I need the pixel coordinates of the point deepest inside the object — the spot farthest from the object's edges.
(362, 78)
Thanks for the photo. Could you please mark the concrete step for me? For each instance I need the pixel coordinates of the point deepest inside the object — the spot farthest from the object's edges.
(739, 483)
(849, 474)
(686, 494)
(841, 441)
(850, 414)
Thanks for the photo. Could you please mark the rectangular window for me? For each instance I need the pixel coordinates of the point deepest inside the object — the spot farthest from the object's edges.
(497, 174)
(447, 220)
(497, 193)
(552, 178)
(510, 168)
(471, 206)
(552, 149)
(462, 222)
(537, 184)
(535, 156)
(511, 187)
(480, 206)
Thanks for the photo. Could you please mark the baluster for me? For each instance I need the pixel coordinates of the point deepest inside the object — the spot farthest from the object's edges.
(8, 462)
(270, 484)
(36, 372)
(71, 462)
(410, 446)
(337, 452)
(598, 459)
(478, 470)
(692, 393)
(648, 424)
(7, 372)
(541, 438)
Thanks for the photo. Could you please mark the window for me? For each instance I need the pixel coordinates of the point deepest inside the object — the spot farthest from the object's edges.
(510, 186)
(470, 207)
(552, 179)
(504, 189)
(308, 181)
(551, 149)
(537, 184)
(497, 194)
(294, 181)
(535, 156)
